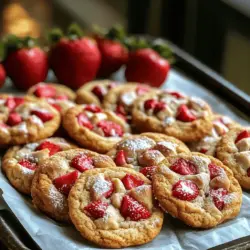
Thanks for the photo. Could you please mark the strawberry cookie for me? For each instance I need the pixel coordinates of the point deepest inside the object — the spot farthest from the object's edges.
(172, 113)
(145, 151)
(114, 207)
(20, 162)
(197, 189)
(94, 128)
(234, 151)
(94, 92)
(57, 174)
(25, 119)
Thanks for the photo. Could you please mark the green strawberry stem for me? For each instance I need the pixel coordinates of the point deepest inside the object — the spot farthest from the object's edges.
(165, 52)
(55, 35)
(74, 32)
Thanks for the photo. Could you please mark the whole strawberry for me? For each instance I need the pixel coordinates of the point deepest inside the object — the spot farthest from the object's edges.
(2, 75)
(25, 63)
(74, 59)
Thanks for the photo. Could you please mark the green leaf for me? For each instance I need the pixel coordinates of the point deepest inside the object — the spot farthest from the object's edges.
(74, 31)
(55, 35)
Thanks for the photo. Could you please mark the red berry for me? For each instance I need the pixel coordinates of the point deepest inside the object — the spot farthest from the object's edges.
(14, 119)
(53, 148)
(183, 167)
(120, 158)
(65, 182)
(214, 170)
(62, 97)
(120, 110)
(18, 101)
(10, 103)
(131, 181)
(96, 209)
(110, 128)
(184, 114)
(148, 171)
(159, 106)
(176, 94)
(82, 162)
(185, 190)
(132, 209)
(27, 164)
(242, 135)
(2, 75)
(203, 150)
(140, 90)
(99, 91)
(43, 115)
(150, 104)
(84, 121)
(45, 91)
(93, 108)
(218, 196)
(56, 106)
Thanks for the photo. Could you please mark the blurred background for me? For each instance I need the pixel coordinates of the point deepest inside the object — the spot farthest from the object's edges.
(215, 32)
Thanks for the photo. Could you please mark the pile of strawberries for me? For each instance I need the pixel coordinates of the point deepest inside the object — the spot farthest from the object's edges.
(76, 59)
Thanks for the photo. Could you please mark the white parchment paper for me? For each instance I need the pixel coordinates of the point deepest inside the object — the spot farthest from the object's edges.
(51, 235)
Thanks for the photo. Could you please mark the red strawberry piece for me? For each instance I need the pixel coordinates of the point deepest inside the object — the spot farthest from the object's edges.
(110, 128)
(203, 150)
(27, 164)
(176, 94)
(96, 209)
(65, 182)
(242, 135)
(140, 90)
(147, 66)
(62, 97)
(185, 190)
(184, 114)
(150, 104)
(14, 119)
(248, 172)
(82, 162)
(120, 158)
(53, 148)
(108, 193)
(84, 121)
(45, 91)
(2, 75)
(3, 125)
(10, 103)
(159, 106)
(214, 170)
(93, 108)
(148, 171)
(120, 110)
(18, 101)
(43, 115)
(99, 91)
(56, 106)
(183, 167)
(218, 196)
(131, 181)
(132, 209)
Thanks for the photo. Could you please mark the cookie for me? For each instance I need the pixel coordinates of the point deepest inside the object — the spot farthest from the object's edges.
(94, 128)
(94, 92)
(25, 119)
(197, 189)
(207, 145)
(114, 208)
(186, 118)
(145, 151)
(19, 162)
(57, 174)
(234, 151)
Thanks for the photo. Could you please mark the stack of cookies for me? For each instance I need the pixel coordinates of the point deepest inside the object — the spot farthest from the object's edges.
(112, 159)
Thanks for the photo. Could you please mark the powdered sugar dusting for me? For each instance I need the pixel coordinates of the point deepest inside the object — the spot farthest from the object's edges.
(137, 144)
(36, 120)
(169, 120)
(22, 127)
(229, 198)
(170, 145)
(57, 198)
(201, 163)
(128, 98)
(27, 171)
(184, 187)
(101, 186)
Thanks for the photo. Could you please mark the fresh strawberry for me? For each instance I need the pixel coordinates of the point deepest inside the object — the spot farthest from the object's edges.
(14, 119)
(203, 150)
(2, 75)
(53, 148)
(214, 170)
(134, 210)
(131, 181)
(150, 104)
(184, 114)
(120, 110)
(120, 158)
(27, 164)
(65, 182)
(148, 171)
(99, 91)
(82, 162)
(185, 190)
(74, 59)
(43, 115)
(218, 196)
(84, 121)
(176, 94)
(56, 106)
(159, 106)
(110, 128)
(141, 90)
(18, 100)
(45, 91)
(25, 63)
(93, 108)
(242, 135)
(96, 209)
(183, 167)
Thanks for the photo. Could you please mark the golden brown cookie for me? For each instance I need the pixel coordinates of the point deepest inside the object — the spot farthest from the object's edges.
(56, 175)
(172, 113)
(114, 208)
(197, 189)
(234, 151)
(19, 162)
(26, 119)
(94, 128)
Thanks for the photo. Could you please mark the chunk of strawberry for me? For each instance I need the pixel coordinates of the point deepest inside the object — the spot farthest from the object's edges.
(218, 196)
(99, 91)
(184, 114)
(131, 181)
(43, 115)
(10, 103)
(18, 101)
(185, 190)
(27, 164)
(110, 128)
(242, 135)
(214, 170)
(45, 91)
(120, 158)
(159, 106)
(14, 119)
(131, 208)
(141, 90)
(62, 97)
(56, 106)
(176, 94)
(65, 182)
(120, 110)
(183, 167)
(102, 188)
(84, 121)
(82, 162)
(203, 150)
(150, 104)
(96, 209)
(93, 108)
(53, 148)
(148, 171)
